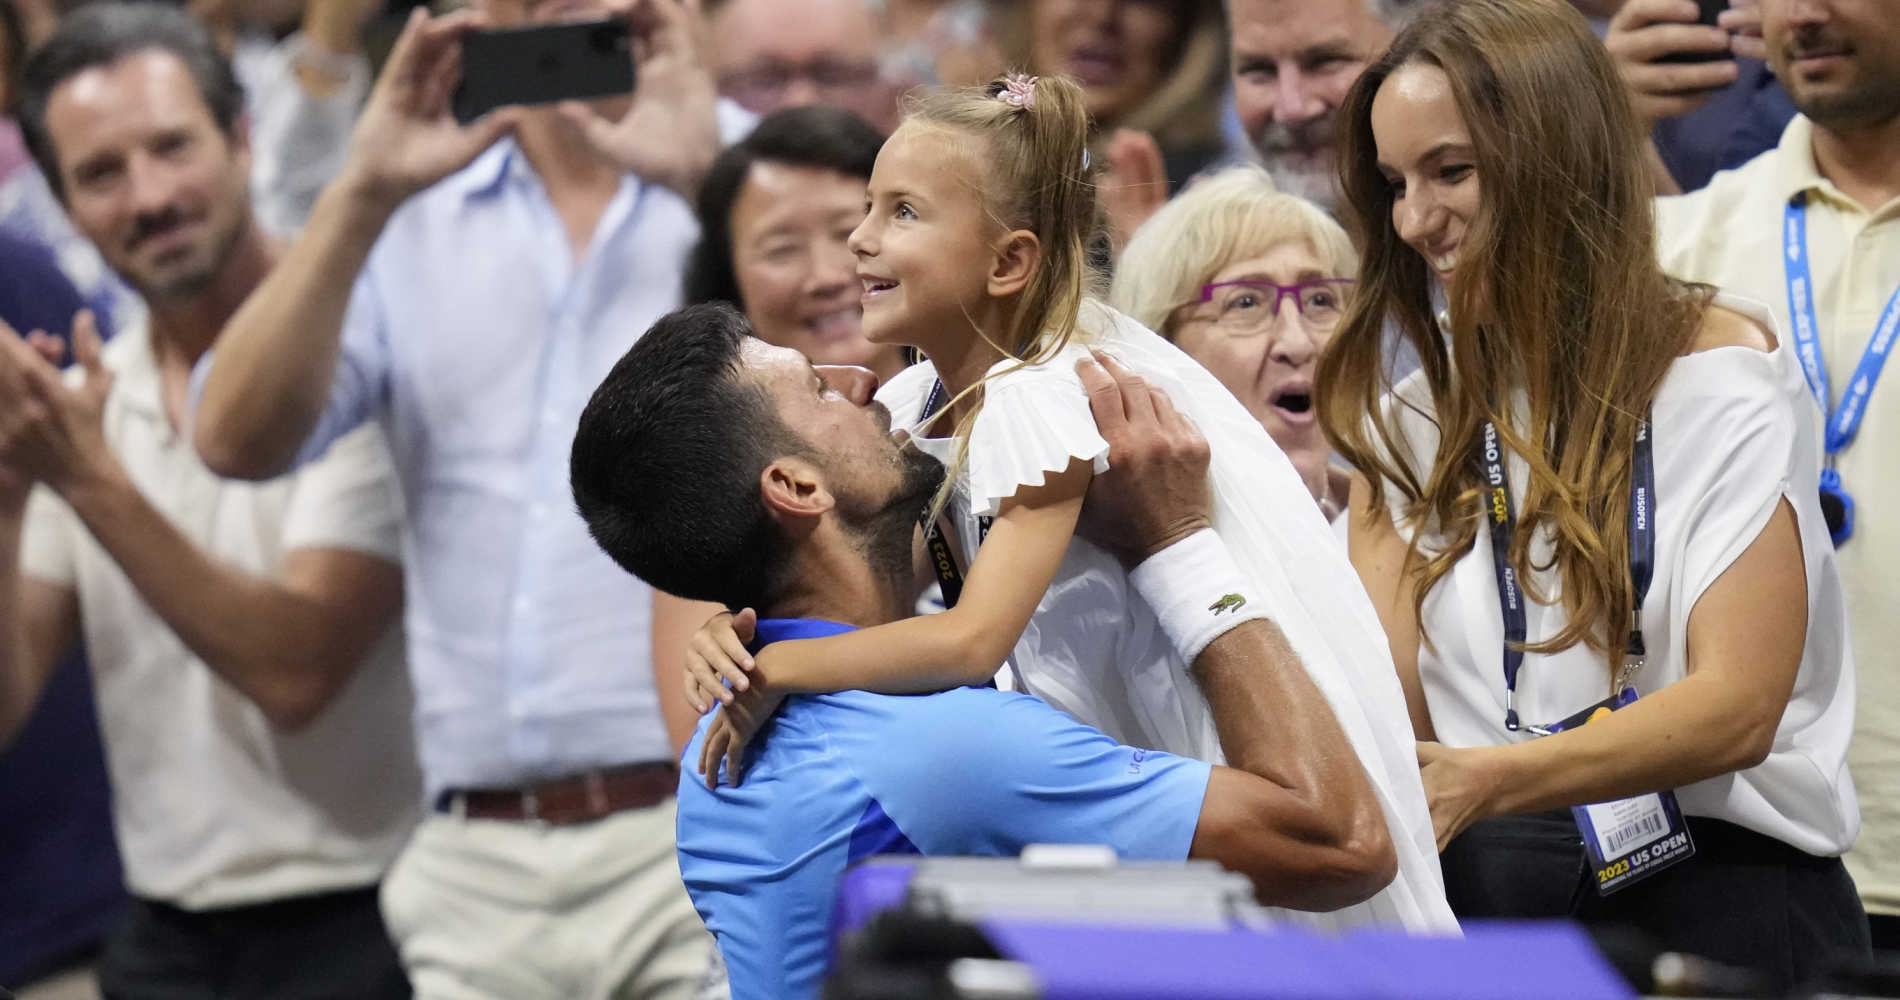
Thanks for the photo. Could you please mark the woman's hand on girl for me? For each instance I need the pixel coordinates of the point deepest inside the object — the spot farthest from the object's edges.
(1459, 783)
(716, 659)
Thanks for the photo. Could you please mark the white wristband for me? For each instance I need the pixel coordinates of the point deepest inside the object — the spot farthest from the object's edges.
(1197, 592)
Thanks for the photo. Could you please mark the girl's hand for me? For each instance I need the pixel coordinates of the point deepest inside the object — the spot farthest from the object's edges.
(1459, 784)
(732, 730)
(717, 661)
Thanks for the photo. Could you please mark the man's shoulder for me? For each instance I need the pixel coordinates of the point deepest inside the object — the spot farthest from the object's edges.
(454, 196)
(1716, 202)
(863, 729)
(957, 707)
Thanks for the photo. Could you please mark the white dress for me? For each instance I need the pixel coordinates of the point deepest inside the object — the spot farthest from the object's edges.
(1095, 649)
(1734, 432)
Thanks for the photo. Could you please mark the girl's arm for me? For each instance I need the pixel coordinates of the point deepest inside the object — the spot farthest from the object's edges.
(1381, 554)
(965, 644)
(1746, 634)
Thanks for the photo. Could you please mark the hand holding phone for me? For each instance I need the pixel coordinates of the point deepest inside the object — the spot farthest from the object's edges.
(407, 137)
(1669, 63)
(543, 64)
(1708, 13)
(669, 132)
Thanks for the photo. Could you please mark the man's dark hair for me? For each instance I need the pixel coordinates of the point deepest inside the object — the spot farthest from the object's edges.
(818, 136)
(100, 34)
(666, 462)
(12, 51)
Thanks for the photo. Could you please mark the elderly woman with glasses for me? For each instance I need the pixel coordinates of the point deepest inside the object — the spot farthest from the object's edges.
(1249, 282)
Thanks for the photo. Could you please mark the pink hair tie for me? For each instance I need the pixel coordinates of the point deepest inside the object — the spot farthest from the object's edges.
(1019, 91)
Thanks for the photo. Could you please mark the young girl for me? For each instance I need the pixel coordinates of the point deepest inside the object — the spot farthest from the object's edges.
(974, 251)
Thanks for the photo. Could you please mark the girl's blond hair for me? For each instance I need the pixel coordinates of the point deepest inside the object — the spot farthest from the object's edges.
(1035, 176)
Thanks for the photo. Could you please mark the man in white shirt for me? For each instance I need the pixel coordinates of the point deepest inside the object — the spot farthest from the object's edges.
(468, 286)
(248, 672)
(1812, 229)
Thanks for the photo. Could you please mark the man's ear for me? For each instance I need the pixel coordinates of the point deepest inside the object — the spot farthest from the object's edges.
(794, 491)
(1018, 254)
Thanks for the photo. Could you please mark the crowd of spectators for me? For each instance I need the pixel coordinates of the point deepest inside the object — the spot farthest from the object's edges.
(313, 681)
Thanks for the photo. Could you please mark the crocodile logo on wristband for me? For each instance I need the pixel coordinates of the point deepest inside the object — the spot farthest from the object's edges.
(1231, 602)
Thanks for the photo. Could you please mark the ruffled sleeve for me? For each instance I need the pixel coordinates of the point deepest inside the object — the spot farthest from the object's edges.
(1034, 422)
(1730, 456)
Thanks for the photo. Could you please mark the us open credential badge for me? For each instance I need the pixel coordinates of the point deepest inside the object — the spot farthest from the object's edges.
(1630, 839)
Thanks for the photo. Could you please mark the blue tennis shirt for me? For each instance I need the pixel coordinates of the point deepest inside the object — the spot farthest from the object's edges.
(837, 778)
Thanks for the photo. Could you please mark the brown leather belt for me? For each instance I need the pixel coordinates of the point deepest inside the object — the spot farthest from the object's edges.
(580, 798)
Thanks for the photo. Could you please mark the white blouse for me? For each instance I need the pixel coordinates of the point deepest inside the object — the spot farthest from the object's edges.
(1095, 649)
(1734, 433)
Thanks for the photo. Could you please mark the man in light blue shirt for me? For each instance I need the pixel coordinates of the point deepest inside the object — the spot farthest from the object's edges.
(468, 285)
(720, 468)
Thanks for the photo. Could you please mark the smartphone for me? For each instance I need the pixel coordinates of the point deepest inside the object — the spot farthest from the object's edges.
(541, 64)
(1706, 13)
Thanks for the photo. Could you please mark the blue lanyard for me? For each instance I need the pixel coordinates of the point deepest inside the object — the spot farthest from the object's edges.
(1843, 422)
(1503, 517)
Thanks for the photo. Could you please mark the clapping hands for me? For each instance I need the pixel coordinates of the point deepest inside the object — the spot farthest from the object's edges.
(50, 431)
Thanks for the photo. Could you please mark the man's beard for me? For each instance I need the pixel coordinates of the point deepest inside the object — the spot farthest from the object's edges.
(1299, 159)
(195, 276)
(1873, 99)
(885, 532)
(1870, 104)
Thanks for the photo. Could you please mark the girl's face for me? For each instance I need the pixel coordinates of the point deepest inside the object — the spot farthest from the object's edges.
(1266, 356)
(926, 246)
(795, 274)
(1118, 51)
(1426, 155)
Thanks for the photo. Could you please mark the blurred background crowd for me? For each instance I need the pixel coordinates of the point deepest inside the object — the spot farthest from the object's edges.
(242, 718)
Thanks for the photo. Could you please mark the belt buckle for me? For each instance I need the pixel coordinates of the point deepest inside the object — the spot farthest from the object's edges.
(531, 807)
(596, 793)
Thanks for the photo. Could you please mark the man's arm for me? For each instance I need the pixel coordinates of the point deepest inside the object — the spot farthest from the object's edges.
(38, 621)
(1295, 811)
(271, 379)
(288, 644)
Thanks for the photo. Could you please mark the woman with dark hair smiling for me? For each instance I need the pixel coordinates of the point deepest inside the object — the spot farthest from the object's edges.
(776, 210)
(1590, 521)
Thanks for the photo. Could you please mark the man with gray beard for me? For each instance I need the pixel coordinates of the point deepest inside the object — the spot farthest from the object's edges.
(1293, 61)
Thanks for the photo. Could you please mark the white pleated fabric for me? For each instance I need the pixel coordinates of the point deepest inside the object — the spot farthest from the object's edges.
(1094, 648)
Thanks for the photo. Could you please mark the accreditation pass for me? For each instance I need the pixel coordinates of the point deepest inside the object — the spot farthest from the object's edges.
(1630, 839)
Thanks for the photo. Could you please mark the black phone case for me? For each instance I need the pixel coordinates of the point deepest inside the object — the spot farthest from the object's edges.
(541, 64)
(1707, 12)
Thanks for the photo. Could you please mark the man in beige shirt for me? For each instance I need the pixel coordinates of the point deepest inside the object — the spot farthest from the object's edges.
(1836, 175)
(246, 661)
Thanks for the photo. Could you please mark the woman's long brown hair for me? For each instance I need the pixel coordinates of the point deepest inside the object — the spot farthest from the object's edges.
(1561, 306)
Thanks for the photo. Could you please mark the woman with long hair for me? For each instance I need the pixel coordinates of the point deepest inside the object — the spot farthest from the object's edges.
(1590, 520)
